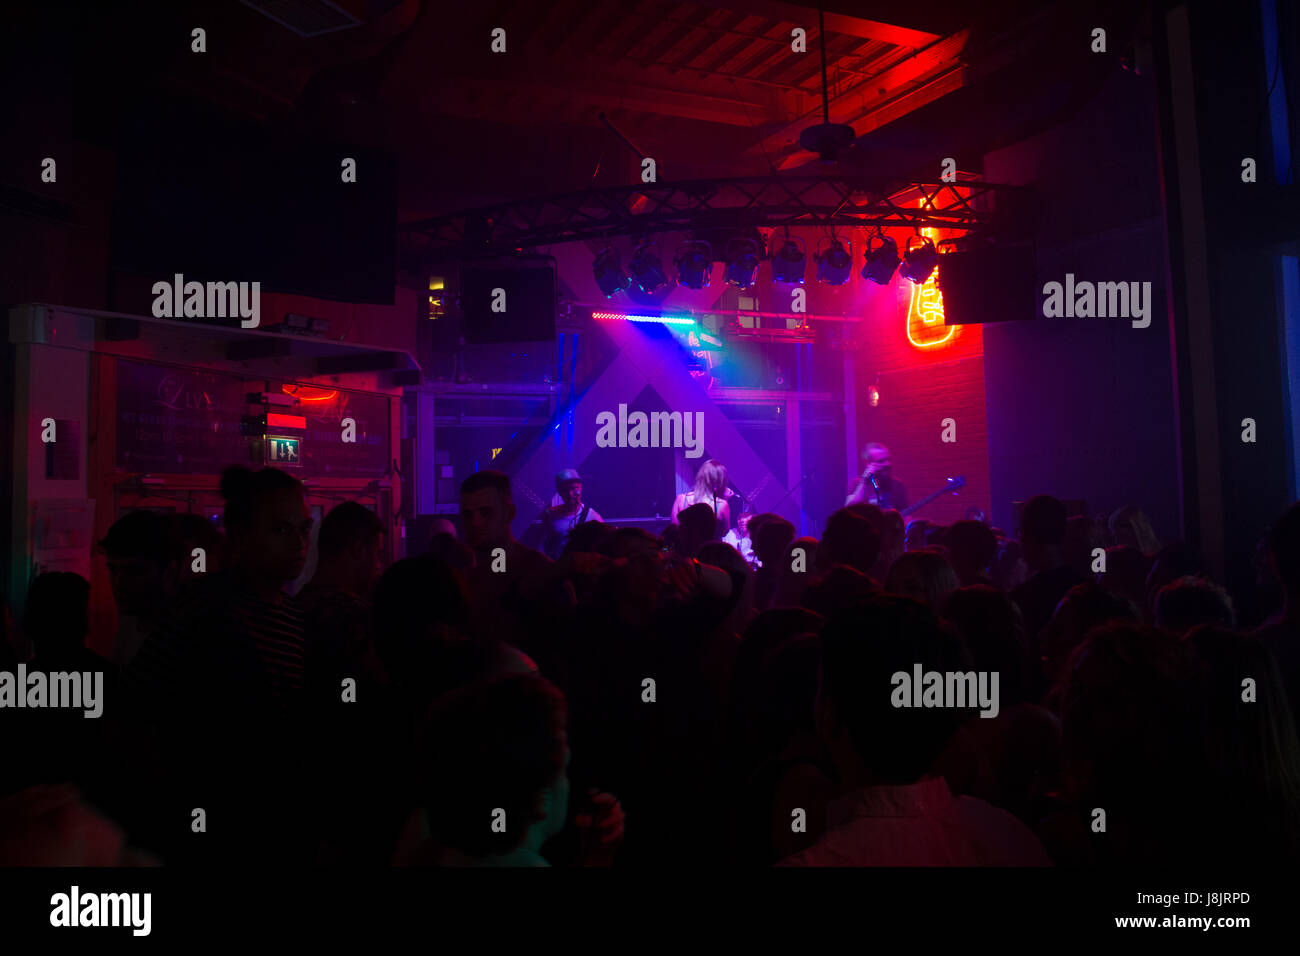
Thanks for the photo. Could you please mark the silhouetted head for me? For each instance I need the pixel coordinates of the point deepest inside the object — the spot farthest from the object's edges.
(191, 531)
(924, 576)
(1191, 601)
(486, 510)
(1085, 607)
(1133, 738)
(697, 524)
(267, 522)
(1042, 531)
(1126, 574)
(863, 648)
(497, 747)
(1132, 528)
(773, 537)
(141, 558)
(848, 539)
(419, 610)
(993, 630)
(351, 546)
(972, 550)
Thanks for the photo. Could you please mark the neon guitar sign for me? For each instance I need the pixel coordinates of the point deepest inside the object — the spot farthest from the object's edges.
(925, 328)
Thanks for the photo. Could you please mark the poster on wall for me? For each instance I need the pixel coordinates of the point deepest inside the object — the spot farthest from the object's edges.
(178, 421)
(62, 533)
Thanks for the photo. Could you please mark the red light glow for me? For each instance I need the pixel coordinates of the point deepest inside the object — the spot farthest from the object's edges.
(925, 328)
(307, 393)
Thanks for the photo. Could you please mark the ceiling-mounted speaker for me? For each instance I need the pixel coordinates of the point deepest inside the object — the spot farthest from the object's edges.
(988, 283)
(510, 300)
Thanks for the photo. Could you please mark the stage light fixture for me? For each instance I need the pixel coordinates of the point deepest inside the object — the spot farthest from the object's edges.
(609, 273)
(790, 264)
(647, 269)
(694, 263)
(742, 263)
(881, 261)
(920, 262)
(834, 263)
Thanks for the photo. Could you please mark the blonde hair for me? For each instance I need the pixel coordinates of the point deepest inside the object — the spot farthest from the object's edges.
(710, 480)
(1139, 525)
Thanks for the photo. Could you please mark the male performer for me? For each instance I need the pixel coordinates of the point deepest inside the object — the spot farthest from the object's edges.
(562, 518)
(877, 486)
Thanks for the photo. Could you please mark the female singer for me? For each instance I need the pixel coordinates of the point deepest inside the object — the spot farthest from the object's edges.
(710, 488)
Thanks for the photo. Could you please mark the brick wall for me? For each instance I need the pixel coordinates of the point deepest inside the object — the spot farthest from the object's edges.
(919, 387)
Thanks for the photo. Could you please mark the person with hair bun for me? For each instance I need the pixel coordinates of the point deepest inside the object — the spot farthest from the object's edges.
(219, 685)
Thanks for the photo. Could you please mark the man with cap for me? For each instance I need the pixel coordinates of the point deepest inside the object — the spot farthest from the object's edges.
(566, 512)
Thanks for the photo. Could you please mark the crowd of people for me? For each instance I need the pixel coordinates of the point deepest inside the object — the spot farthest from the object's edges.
(643, 701)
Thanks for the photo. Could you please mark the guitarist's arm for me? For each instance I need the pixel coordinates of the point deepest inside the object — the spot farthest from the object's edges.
(857, 494)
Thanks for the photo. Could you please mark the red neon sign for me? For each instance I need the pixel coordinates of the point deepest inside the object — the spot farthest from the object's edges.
(925, 328)
(306, 393)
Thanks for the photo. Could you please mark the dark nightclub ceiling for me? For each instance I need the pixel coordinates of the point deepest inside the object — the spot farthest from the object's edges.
(709, 87)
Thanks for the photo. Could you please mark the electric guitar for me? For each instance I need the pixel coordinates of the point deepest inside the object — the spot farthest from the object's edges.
(953, 484)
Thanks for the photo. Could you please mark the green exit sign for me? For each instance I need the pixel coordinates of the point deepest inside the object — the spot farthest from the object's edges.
(283, 451)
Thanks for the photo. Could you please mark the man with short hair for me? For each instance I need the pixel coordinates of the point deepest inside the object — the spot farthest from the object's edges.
(143, 570)
(891, 808)
(565, 514)
(338, 647)
(507, 577)
(336, 601)
(877, 485)
(697, 525)
(738, 537)
(1043, 523)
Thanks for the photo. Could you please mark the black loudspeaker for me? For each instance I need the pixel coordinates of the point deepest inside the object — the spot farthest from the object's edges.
(511, 301)
(988, 284)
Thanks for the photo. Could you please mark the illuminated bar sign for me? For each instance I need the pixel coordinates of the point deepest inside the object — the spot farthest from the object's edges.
(281, 450)
(925, 325)
(178, 421)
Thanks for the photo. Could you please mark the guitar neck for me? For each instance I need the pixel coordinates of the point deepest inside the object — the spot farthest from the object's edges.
(917, 506)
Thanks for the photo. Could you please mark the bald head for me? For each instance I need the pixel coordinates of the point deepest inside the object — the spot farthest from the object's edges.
(876, 457)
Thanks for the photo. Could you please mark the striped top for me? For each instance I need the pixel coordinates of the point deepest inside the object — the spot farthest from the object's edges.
(224, 649)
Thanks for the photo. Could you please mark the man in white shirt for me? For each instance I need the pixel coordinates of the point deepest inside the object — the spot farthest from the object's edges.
(738, 538)
(566, 513)
(890, 810)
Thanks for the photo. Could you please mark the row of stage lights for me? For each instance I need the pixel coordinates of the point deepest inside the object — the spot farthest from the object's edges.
(694, 263)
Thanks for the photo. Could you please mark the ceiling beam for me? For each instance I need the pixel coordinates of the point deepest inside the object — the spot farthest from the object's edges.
(685, 26)
(609, 94)
(835, 22)
(856, 101)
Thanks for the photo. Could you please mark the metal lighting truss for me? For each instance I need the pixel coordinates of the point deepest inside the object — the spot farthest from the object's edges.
(772, 201)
